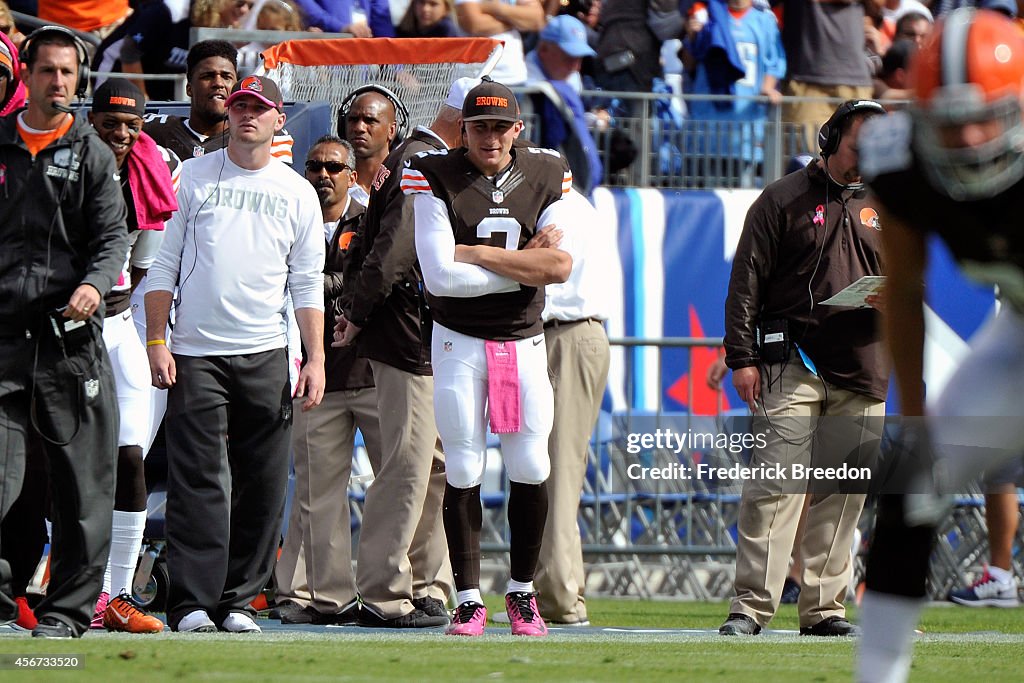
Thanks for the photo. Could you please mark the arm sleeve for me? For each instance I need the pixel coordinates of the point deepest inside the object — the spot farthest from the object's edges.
(567, 215)
(435, 246)
(147, 244)
(751, 267)
(104, 216)
(330, 15)
(306, 258)
(163, 273)
(390, 257)
(378, 17)
(774, 53)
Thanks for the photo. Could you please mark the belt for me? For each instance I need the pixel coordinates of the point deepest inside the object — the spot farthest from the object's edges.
(554, 322)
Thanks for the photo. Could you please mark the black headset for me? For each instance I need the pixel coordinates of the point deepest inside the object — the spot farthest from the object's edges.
(831, 133)
(401, 111)
(28, 51)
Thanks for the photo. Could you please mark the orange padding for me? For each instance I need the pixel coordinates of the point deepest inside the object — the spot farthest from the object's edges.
(379, 51)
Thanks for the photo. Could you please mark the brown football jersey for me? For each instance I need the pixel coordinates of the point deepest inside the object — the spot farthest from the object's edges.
(501, 213)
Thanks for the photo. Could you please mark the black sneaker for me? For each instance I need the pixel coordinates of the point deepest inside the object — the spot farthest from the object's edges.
(835, 627)
(414, 619)
(739, 625)
(286, 608)
(790, 592)
(431, 606)
(52, 627)
(310, 615)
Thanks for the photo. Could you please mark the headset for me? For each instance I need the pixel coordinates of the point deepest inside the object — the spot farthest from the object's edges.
(401, 111)
(28, 52)
(831, 132)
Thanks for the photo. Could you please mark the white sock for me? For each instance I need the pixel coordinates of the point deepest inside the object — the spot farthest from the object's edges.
(519, 586)
(125, 543)
(885, 648)
(471, 595)
(106, 578)
(999, 574)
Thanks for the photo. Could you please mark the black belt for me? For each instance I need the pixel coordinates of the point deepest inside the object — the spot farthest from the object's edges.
(566, 323)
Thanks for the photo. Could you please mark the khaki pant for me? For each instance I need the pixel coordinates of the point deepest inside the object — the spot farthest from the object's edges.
(811, 114)
(578, 359)
(768, 519)
(315, 566)
(402, 549)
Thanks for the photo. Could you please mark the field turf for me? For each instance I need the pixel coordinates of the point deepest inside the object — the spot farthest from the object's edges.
(957, 645)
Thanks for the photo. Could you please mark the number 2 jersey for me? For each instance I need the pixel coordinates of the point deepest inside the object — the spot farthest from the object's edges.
(500, 212)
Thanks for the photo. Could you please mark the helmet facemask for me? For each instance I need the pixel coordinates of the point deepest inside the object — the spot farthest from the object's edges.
(976, 171)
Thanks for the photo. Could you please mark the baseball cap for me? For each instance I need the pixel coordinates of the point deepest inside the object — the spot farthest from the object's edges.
(569, 34)
(457, 95)
(260, 87)
(6, 61)
(119, 95)
(490, 100)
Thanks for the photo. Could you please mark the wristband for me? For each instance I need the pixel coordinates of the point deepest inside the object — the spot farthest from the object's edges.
(156, 342)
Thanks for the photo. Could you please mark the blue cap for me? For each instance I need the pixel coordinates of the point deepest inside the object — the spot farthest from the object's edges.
(569, 34)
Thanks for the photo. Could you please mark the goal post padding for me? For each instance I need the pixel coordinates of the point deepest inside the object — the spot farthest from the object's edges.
(418, 70)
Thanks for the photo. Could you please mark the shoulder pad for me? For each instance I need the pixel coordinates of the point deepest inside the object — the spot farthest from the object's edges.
(884, 145)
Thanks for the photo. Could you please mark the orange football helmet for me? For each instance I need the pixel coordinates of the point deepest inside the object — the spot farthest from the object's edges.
(971, 71)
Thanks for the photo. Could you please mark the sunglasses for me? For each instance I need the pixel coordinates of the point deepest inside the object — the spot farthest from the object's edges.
(314, 166)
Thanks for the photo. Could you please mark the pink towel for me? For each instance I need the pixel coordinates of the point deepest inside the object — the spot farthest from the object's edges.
(151, 185)
(503, 386)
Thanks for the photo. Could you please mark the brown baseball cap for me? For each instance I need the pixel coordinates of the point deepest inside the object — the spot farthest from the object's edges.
(260, 87)
(490, 100)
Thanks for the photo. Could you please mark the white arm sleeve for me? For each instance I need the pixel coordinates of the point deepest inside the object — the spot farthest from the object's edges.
(147, 244)
(567, 214)
(435, 249)
(306, 258)
(164, 271)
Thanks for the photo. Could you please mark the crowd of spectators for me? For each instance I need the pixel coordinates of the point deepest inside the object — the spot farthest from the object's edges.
(745, 54)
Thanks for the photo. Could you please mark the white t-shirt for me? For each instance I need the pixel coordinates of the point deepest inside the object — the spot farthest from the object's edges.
(240, 242)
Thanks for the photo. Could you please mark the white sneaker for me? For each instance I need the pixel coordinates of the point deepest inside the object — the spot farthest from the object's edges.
(196, 621)
(239, 622)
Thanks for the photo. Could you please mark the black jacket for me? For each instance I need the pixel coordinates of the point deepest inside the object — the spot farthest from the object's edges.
(805, 237)
(51, 248)
(344, 370)
(386, 294)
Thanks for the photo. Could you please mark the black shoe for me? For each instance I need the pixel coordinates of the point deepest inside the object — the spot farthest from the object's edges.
(52, 627)
(739, 625)
(431, 606)
(310, 615)
(832, 626)
(790, 592)
(307, 615)
(414, 619)
(286, 608)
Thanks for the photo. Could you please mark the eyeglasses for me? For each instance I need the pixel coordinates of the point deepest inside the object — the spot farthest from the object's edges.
(314, 166)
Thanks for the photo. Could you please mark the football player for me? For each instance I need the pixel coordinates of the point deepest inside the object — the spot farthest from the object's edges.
(475, 210)
(951, 164)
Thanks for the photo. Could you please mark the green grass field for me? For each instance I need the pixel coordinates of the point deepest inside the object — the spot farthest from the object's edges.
(958, 645)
